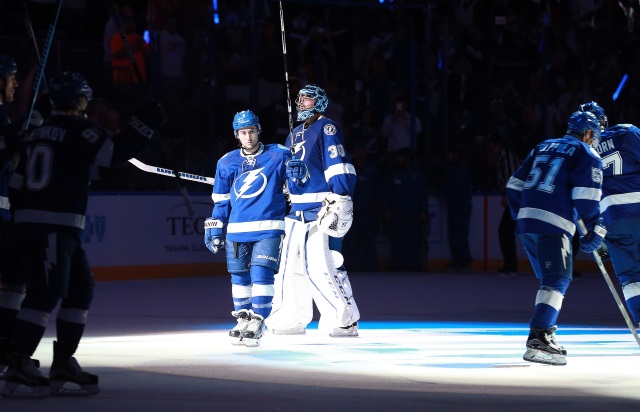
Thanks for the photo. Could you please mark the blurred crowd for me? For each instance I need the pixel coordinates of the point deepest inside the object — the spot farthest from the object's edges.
(421, 88)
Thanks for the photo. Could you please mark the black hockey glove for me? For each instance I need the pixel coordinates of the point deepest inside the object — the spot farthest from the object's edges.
(149, 117)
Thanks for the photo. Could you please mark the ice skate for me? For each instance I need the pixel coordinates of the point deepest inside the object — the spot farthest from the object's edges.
(350, 331)
(235, 334)
(68, 379)
(543, 348)
(23, 379)
(254, 331)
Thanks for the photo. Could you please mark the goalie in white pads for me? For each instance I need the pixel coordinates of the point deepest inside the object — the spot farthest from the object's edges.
(249, 203)
(311, 266)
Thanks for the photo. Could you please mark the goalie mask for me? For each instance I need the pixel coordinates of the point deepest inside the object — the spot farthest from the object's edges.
(597, 111)
(65, 89)
(320, 101)
(336, 215)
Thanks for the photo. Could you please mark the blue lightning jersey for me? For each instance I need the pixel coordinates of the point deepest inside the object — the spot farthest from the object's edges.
(620, 152)
(248, 193)
(321, 147)
(557, 177)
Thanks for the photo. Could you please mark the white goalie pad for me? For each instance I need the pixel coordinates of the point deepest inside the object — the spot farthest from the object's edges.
(308, 273)
(330, 287)
(292, 306)
(336, 215)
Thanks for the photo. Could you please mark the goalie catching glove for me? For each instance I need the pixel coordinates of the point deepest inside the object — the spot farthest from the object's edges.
(213, 235)
(336, 215)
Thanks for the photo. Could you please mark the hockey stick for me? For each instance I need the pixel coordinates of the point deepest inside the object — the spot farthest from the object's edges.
(27, 21)
(168, 172)
(138, 74)
(583, 231)
(286, 77)
(41, 66)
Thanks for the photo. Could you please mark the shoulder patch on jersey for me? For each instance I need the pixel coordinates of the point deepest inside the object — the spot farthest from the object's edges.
(330, 129)
(596, 175)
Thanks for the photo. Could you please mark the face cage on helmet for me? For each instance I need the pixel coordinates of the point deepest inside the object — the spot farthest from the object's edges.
(304, 114)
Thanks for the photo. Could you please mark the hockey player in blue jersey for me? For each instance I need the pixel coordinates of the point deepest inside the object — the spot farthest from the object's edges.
(620, 204)
(49, 198)
(311, 267)
(560, 180)
(249, 202)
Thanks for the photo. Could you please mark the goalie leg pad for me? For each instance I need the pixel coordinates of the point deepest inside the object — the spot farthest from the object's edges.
(330, 287)
(292, 303)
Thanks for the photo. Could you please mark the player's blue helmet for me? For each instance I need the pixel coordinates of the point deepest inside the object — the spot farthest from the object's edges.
(598, 111)
(245, 118)
(319, 106)
(66, 87)
(8, 66)
(580, 122)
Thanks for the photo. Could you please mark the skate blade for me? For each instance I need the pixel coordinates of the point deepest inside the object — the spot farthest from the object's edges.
(236, 341)
(538, 356)
(18, 390)
(58, 388)
(250, 342)
(288, 331)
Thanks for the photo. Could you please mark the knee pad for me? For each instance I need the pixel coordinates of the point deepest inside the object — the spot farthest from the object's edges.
(241, 279)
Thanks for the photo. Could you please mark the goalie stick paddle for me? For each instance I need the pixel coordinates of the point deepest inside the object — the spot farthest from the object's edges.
(138, 73)
(168, 172)
(583, 231)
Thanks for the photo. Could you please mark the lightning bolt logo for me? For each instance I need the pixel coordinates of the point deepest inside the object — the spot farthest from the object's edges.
(565, 250)
(299, 148)
(51, 256)
(249, 179)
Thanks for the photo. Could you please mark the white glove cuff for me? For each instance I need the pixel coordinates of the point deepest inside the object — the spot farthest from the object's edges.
(213, 224)
(600, 231)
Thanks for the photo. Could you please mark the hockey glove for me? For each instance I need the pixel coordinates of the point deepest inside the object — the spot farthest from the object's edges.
(593, 239)
(297, 171)
(213, 235)
(149, 117)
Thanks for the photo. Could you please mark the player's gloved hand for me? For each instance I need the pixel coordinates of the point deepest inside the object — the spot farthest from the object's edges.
(297, 171)
(603, 252)
(593, 239)
(149, 117)
(213, 239)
